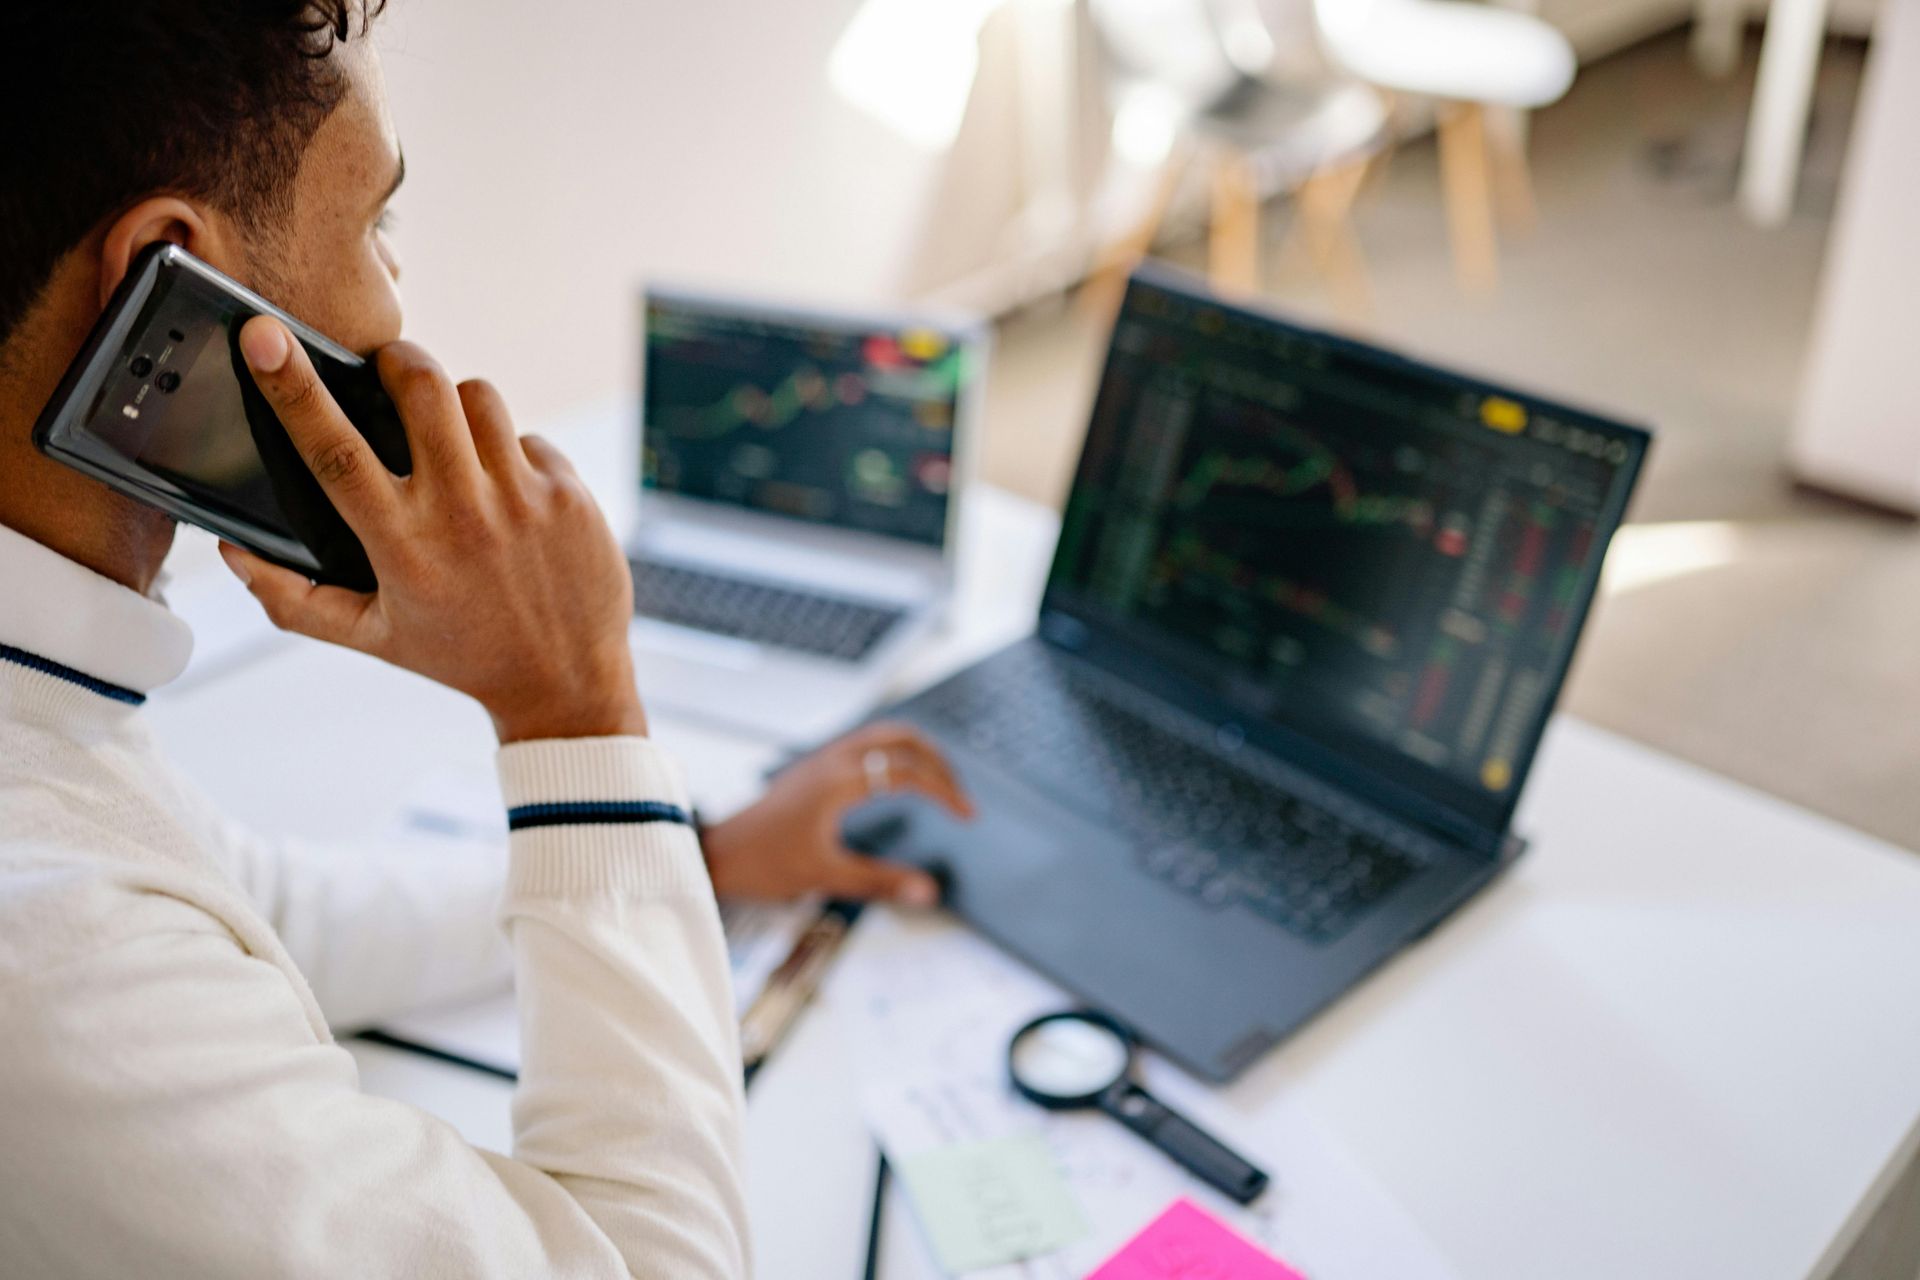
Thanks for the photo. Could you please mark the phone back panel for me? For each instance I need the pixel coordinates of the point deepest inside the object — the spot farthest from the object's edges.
(159, 405)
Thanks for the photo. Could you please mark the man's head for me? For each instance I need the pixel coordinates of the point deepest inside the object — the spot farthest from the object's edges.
(253, 132)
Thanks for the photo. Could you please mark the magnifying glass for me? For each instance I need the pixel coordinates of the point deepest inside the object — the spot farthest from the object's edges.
(1079, 1059)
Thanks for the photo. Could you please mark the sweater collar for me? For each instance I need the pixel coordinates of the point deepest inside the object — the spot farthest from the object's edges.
(63, 620)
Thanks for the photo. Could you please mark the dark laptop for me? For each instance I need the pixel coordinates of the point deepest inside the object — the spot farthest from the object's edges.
(1311, 606)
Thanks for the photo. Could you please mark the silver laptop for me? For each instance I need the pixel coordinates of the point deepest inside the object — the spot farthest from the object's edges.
(801, 479)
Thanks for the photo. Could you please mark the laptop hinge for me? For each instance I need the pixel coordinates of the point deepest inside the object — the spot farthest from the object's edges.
(1065, 632)
(1469, 835)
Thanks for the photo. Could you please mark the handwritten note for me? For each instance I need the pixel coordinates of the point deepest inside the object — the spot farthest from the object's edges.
(1186, 1243)
(988, 1203)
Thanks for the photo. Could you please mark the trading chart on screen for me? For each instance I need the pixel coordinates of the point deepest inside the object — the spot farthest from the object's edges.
(828, 424)
(1339, 545)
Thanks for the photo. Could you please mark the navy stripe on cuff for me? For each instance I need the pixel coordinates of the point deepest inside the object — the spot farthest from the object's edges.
(60, 671)
(595, 812)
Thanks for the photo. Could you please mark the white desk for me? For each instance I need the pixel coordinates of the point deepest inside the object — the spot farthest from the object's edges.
(1681, 1039)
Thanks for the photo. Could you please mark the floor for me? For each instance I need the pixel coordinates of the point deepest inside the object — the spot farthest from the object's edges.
(1752, 627)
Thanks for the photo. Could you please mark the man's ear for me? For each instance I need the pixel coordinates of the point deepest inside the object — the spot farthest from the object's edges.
(170, 219)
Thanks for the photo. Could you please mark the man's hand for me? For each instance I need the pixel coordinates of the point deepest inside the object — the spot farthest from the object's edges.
(788, 843)
(498, 575)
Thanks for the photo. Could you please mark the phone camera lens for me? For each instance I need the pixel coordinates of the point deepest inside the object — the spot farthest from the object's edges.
(140, 367)
(168, 380)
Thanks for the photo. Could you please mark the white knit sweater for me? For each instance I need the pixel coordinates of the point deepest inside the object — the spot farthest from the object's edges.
(171, 1100)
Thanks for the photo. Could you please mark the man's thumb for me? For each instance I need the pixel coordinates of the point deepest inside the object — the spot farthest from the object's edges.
(878, 879)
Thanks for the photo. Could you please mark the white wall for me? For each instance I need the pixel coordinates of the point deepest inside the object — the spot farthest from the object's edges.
(1858, 429)
(560, 153)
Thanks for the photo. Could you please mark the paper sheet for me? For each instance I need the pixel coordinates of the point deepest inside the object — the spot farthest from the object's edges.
(928, 1009)
(992, 1202)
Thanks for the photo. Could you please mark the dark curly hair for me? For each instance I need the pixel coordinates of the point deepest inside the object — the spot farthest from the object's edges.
(105, 102)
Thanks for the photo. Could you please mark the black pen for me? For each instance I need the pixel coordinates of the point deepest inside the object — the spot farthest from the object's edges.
(872, 1271)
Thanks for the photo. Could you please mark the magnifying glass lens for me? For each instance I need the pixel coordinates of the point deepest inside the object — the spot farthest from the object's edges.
(1069, 1058)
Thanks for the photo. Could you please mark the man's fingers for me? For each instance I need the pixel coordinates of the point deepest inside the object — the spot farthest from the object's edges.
(432, 411)
(882, 733)
(894, 735)
(856, 876)
(926, 757)
(338, 455)
(492, 427)
(911, 755)
(936, 784)
(294, 604)
(545, 456)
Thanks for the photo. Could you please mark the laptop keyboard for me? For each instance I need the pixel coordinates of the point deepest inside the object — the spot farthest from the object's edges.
(1209, 828)
(822, 625)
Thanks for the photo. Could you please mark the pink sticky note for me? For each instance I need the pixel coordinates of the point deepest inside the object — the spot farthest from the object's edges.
(1187, 1243)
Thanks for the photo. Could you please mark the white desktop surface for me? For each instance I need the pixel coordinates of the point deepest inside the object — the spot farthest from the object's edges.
(1681, 1038)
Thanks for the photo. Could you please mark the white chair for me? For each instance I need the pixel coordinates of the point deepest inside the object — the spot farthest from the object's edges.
(1470, 57)
(1204, 67)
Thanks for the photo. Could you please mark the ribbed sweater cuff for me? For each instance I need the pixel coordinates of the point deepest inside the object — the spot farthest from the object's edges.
(604, 854)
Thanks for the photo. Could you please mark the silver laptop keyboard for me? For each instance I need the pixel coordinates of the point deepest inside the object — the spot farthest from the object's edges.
(822, 625)
(1208, 827)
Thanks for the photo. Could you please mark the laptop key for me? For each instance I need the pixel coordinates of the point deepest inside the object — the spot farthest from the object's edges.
(1213, 831)
(822, 625)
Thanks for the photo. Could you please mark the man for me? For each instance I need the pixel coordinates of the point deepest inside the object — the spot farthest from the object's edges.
(171, 1099)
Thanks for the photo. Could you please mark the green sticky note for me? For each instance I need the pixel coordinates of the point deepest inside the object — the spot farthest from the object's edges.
(988, 1203)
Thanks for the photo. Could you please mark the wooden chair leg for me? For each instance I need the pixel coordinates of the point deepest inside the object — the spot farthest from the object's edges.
(1233, 247)
(1469, 195)
(1325, 225)
(1107, 280)
(1512, 177)
(1392, 134)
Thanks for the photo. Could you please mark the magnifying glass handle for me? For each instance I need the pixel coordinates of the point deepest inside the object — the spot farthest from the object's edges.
(1192, 1147)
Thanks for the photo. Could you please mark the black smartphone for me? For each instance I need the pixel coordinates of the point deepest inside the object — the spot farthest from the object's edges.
(160, 405)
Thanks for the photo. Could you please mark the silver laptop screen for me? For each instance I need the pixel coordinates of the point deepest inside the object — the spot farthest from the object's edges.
(827, 421)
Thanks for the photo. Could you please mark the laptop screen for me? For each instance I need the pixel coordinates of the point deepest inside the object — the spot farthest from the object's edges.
(1387, 563)
(831, 421)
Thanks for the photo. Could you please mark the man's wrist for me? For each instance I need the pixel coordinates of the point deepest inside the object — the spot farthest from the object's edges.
(620, 718)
